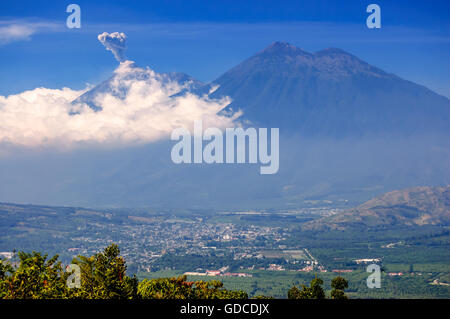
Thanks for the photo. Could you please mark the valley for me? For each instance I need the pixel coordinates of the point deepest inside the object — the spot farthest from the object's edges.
(262, 252)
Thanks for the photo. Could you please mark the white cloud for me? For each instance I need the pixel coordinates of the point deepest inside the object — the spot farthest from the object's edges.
(149, 112)
(19, 30)
(15, 32)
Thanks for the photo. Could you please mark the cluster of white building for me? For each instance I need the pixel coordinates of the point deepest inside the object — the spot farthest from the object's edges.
(221, 273)
(6, 255)
(368, 260)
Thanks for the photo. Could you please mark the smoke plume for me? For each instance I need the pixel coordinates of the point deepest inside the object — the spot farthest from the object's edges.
(114, 42)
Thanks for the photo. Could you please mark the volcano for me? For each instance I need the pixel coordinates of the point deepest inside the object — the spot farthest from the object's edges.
(330, 93)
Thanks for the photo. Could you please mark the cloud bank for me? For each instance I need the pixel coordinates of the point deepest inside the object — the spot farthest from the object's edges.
(21, 30)
(148, 112)
(114, 42)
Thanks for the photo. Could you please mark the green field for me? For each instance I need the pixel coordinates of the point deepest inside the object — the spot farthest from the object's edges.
(277, 283)
(297, 254)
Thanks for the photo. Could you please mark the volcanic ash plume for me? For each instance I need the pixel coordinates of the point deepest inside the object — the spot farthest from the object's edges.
(114, 42)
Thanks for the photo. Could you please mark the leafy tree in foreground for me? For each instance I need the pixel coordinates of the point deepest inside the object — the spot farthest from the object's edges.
(36, 277)
(339, 284)
(179, 288)
(315, 291)
(103, 276)
(5, 269)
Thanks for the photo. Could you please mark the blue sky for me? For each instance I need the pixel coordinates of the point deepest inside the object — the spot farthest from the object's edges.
(206, 38)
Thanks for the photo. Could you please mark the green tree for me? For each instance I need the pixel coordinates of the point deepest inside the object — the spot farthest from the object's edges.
(36, 277)
(339, 284)
(214, 290)
(179, 288)
(295, 293)
(5, 269)
(103, 276)
(314, 291)
(165, 288)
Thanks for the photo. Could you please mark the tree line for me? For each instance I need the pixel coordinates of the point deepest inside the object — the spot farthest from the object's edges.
(103, 276)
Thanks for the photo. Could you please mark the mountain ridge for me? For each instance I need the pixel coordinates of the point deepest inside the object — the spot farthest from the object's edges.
(416, 206)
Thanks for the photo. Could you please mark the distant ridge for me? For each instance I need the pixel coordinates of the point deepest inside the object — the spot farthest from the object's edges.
(415, 206)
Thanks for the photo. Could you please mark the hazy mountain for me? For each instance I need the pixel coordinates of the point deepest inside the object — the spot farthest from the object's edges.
(329, 92)
(409, 207)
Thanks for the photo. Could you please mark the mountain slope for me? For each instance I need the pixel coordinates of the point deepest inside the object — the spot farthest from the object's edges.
(128, 72)
(415, 206)
(330, 92)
